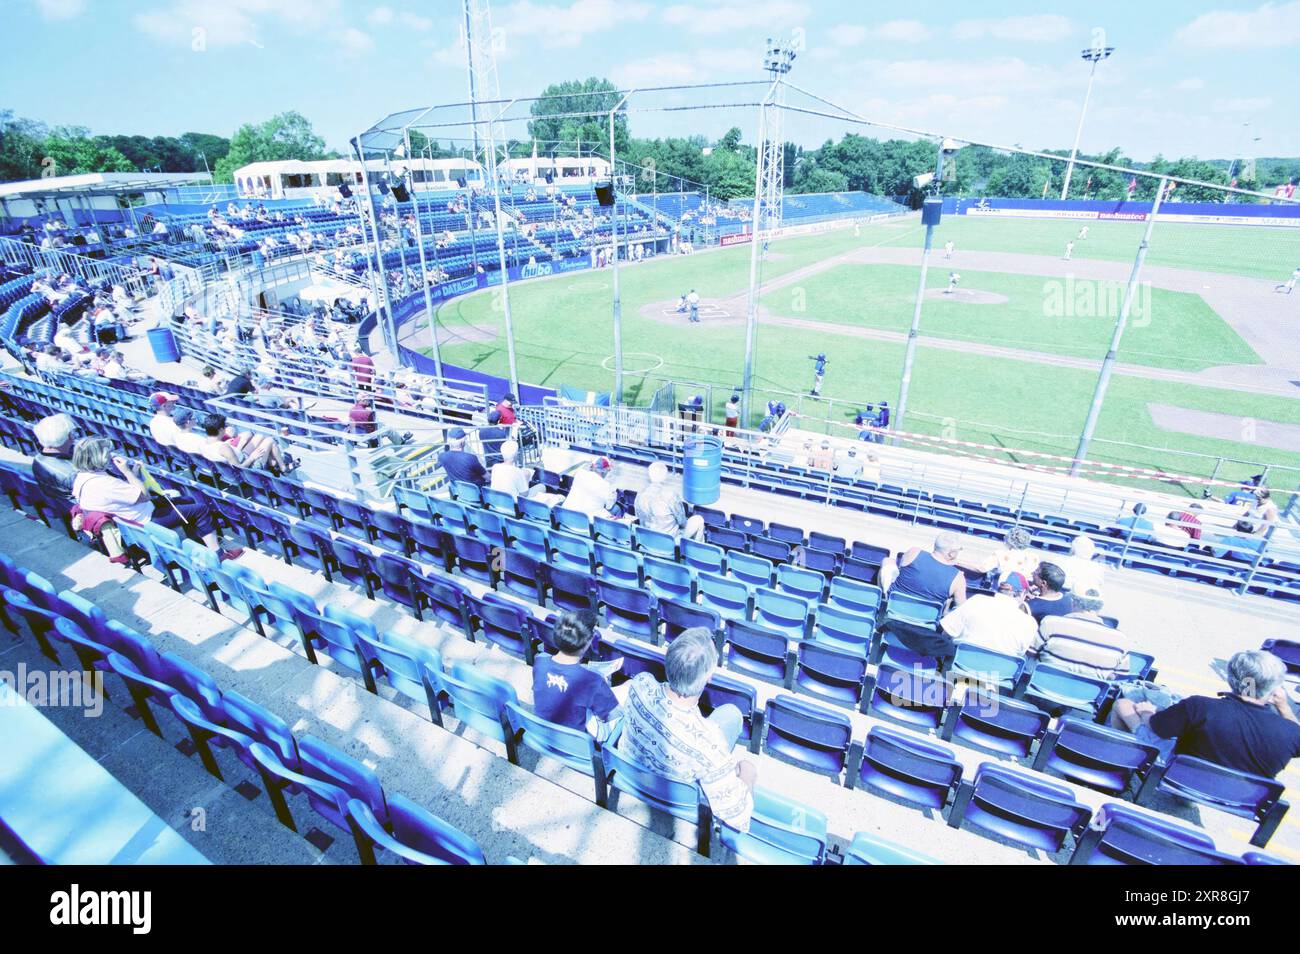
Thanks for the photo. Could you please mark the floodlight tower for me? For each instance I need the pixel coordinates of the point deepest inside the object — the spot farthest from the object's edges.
(481, 58)
(1094, 55)
(769, 190)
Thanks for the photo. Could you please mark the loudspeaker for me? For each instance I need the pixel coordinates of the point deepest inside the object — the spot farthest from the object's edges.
(461, 182)
(345, 190)
(605, 194)
(550, 177)
(383, 187)
(931, 211)
(400, 193)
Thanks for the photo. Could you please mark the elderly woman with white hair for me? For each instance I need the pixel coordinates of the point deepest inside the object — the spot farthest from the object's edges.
(1251, 729)
(659, 507)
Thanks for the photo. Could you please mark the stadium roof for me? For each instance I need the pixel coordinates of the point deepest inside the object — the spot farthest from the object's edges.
(99, 183)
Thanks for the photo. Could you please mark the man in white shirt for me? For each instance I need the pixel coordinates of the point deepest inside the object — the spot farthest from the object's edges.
(1082, 572)
(998, 622)
(186, 439)
(161, 425)
(592, 492)
(507, 476)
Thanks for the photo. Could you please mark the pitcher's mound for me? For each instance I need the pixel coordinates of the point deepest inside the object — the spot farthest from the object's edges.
(711, 312)
(967, 296)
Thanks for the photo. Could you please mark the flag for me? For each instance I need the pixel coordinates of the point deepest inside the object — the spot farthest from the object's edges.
(1046, 185)
(1087, 185)
(1290, 188)
(1132, 185)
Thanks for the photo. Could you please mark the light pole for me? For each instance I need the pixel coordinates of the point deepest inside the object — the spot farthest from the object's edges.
(1241, 154)
(1094, 55)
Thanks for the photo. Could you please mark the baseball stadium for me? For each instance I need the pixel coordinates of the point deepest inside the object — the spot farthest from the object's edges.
(507, 489)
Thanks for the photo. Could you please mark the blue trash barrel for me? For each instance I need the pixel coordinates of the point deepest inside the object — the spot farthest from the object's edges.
(163, 343)
(702, 469)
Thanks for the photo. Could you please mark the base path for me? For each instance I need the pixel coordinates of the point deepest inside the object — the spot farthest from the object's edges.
(1228, 427)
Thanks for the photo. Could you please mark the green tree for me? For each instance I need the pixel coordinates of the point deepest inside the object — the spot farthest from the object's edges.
(810, 177)
(20, 147)
(284, 136)
(70, 151)
(572, 118)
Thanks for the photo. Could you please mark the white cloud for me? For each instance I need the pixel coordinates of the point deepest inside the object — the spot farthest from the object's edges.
(1000, 74)
(355, 42)
(1189, 85)
(414, 21)
(1271, 25)
(847, 34)
(730, 16)
(1243, 104)
(902, 31)
(1040, 28)
(563, 27)
(61, 9)
(384, 17)
(234, 22)
(667, 69)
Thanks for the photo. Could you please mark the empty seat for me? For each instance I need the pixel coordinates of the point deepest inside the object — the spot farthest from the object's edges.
(1093, 755)
(807, 735)
(868, 849)
(781, 832)
(1120, 835)
(1028, 810)
(1217, 786)
(906, 767)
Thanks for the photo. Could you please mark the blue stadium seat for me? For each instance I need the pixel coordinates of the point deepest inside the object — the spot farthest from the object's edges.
(1028, 810)
(911, 697)
(571, 747)
(676, 616)
(831, 675)
(1216, 786)
(844, 629)
(1005, 727)
(413, 834)
(572, 552)
(677, 797)
(704, 557)
(728, 598)
(571, 590)
(1120, 835)
(618, 565)
(904, 766)
(1058, 691)
(806, 735)
(476, 699)
(751, 570)
(801, 583)
(1099, 757)
(782, 613)
(501, 622)
(327, 777)
(867, 849)
(528, 538)
(396, 660)
(781, 832)
(985, 667)
(757, 651)
(630, 611)
(667, 579)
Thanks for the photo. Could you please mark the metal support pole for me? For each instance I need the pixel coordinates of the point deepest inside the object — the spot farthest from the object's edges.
(613, 240)
(384, 302)
(909, 356)
(1078, 134)
(1108, 365)
(751, 310)
(424, 268)
(505, 283)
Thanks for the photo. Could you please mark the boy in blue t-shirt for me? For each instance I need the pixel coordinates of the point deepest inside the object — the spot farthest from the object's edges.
(568, 693)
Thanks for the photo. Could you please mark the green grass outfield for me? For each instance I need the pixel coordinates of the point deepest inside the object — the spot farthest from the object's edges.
(563, 335)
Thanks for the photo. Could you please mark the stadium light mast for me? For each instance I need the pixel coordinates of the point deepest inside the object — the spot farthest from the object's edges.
(481, 54)
(1094, 55)
(424, 265)
(613, 252)
(769, 190)
(1108, 365)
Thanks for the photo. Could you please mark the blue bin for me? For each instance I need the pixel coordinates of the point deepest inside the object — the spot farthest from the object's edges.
(702, 470)
(163, 343)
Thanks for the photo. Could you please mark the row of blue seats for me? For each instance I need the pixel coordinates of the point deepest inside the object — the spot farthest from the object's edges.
(338, 788)
(456, 607)
(905, 696)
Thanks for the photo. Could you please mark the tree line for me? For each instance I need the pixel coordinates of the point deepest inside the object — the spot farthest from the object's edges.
(571, 118)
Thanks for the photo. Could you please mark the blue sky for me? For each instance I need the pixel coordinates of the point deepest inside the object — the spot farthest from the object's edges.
(1185, 78)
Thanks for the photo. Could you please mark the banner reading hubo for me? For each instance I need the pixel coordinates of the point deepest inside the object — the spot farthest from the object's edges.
(1203, 213)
